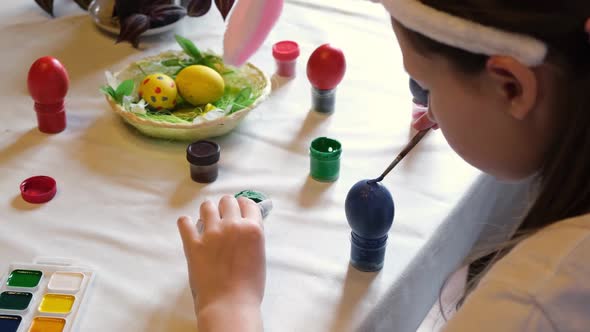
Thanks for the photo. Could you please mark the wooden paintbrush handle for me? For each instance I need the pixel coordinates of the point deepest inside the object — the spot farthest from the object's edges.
(419, 136)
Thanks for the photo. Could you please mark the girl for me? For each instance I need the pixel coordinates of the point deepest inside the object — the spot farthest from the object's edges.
(509, 87)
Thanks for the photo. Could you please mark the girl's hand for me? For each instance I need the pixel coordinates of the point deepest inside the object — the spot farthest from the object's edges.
(226, 263)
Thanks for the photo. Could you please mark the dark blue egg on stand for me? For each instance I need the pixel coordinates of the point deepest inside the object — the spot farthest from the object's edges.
(370, 211)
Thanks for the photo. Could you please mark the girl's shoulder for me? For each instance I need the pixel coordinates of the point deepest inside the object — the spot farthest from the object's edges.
(541, 285)
(555, 248)
(542, 261)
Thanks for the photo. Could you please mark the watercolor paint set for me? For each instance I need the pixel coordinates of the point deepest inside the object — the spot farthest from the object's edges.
(46, 296)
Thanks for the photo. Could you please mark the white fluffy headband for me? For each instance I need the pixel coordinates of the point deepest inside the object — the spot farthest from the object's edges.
(464, 34)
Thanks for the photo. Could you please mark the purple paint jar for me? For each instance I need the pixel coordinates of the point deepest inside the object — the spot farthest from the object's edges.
(203, 157)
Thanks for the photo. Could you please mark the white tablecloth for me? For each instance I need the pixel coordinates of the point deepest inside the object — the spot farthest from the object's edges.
(119, 193)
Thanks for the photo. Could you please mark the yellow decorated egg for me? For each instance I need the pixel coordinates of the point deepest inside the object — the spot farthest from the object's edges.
(159, 91)
(199, 84)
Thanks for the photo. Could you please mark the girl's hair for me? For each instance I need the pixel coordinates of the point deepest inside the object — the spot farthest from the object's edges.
(564, 179)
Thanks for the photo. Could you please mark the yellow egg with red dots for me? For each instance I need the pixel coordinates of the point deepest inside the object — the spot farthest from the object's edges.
(159, 91)
(200, 85)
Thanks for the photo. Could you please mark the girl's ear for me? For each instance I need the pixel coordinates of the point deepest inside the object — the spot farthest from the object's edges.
(514, 83)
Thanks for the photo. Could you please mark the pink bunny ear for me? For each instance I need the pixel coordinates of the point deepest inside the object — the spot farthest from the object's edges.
(248, 26)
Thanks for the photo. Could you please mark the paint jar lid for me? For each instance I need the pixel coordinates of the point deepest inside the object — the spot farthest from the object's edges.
(256, 196)
(203, 153)
(285, 50)
(38, 189)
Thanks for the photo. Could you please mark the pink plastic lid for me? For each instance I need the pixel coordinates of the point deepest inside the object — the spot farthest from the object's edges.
(38, 189)
(285, 50)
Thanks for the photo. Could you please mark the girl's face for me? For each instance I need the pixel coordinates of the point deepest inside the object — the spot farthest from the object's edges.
(486, 123)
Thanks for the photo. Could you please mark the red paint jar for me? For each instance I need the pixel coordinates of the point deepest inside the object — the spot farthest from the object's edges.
(286, 53)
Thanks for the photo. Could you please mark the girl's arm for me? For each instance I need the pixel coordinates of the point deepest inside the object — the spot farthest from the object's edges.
(230, 317)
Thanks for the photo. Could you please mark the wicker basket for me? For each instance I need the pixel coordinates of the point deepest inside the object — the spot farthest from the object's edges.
(190, 131)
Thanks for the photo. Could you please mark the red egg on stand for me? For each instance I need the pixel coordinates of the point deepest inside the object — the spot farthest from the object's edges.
(325, 69)
(48, 84)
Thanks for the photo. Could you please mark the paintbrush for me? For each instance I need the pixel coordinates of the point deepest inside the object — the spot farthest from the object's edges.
(419, 136)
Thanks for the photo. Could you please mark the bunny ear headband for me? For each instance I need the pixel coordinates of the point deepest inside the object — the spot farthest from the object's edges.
(464, 34)
(248, 27)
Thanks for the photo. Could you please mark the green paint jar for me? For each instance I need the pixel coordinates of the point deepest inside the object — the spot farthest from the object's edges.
(256, 196)
(263, 202)
(325, 159)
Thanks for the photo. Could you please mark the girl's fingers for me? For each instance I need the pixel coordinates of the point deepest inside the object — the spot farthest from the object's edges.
(229, 208)
(423, 122)
(249, 209)
(209, 215)
(188, 233)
